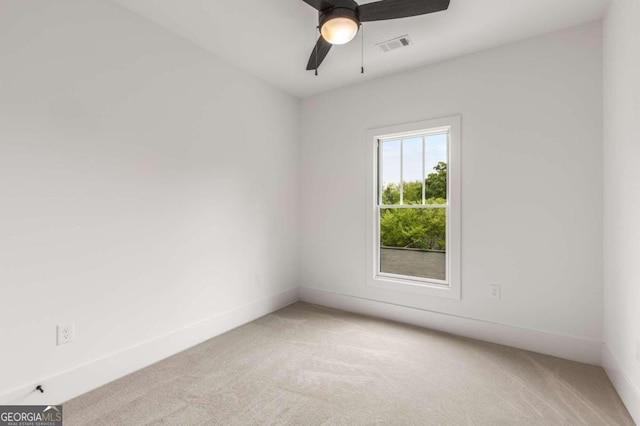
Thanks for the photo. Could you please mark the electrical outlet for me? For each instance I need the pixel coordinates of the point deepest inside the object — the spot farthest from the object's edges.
(257, 280)
(494, 291)
(65, 333)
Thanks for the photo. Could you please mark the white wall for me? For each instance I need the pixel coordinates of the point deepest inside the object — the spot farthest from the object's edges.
(532, 182)
(143, 184)
(622, 199)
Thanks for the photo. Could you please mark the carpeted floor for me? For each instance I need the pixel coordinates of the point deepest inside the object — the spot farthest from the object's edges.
(308, 365)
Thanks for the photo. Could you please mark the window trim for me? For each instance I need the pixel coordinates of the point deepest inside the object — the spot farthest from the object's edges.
(429, 287)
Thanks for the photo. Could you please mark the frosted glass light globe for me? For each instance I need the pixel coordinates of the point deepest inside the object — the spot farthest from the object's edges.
(339, 30)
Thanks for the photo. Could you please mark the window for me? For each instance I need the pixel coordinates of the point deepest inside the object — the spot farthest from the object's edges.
(415, 207)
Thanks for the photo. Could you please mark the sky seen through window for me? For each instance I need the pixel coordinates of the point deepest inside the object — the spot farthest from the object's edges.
(435, 152)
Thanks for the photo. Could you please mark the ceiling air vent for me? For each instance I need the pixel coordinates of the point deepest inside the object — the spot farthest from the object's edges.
(395, 43)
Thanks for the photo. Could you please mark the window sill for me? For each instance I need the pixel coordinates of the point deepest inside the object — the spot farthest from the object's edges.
(415, 287)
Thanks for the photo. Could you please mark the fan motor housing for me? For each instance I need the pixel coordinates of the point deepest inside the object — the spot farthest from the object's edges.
(342, 9)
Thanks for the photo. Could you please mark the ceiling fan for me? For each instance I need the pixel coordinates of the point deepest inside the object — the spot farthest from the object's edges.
(339, 20)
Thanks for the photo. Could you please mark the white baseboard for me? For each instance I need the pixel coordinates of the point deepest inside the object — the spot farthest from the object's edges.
(66, 385)
(629, 393)
(568, 347)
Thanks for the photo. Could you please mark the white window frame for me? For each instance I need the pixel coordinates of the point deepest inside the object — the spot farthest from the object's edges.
(430, 287)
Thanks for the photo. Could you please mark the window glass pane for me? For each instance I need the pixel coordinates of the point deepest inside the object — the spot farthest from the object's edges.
(413, 242)
(435, 162)
(390, 169)
(412, 170)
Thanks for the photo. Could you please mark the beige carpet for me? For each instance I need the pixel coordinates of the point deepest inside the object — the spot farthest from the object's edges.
(307, 365)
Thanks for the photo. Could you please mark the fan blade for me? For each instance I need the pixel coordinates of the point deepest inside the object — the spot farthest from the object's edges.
(319, 4)
(393, 9)
(321, 48)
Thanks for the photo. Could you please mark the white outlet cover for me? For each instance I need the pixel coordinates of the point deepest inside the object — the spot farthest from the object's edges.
(65, 333)
(494, 291)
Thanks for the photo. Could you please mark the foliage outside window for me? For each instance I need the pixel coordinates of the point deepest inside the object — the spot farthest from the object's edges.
(416, 228)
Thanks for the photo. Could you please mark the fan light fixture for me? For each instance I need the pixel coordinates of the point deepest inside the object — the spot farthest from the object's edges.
(339, 30)
(339, 20)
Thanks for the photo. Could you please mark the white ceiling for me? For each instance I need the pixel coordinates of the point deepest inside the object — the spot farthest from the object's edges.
(273, 39)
